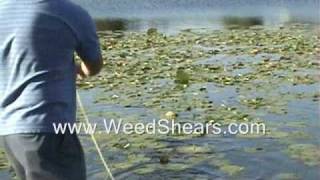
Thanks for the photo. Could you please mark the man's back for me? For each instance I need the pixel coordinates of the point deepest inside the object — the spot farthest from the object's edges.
(37, 72)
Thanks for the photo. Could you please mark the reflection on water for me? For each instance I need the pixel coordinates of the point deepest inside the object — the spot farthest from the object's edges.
(112, 24)
(241, 22)
(172, 25)
(229, 22)
(175, 15)
(115, 24)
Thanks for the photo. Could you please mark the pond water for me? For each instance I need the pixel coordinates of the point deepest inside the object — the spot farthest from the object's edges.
(174, 15)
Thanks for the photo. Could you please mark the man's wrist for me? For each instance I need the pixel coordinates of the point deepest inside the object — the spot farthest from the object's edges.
(80, 72)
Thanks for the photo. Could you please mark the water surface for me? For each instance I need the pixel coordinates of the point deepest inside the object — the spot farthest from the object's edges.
(174, 15)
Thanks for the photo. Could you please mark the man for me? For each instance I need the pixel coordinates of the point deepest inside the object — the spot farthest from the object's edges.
(38, 39)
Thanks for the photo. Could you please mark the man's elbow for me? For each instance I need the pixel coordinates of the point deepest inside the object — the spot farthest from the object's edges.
(95, 69)
(92, 68)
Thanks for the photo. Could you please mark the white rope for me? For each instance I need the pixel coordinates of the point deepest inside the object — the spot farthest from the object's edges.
(94, 140)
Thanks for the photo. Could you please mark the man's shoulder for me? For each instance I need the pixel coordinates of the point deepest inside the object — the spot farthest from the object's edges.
(71, 8)
(71, 14)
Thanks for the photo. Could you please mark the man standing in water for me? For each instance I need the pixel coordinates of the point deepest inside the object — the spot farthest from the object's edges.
(38, 39)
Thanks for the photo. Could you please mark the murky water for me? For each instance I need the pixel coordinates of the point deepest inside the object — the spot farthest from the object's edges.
(269, 162)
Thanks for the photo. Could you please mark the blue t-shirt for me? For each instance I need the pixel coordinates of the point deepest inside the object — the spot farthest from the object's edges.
(38, 39)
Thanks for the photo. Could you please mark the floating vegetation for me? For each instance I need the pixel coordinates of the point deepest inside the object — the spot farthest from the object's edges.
(286, 176)
(307, 153)
(227, 167)
(182, 77)
(193, 149)
(177, 167)
(145, 170)
(245, 74)
(3, 161)
(255, 102)
(231, 169)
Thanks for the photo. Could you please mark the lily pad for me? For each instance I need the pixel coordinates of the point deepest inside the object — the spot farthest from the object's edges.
(194, 149)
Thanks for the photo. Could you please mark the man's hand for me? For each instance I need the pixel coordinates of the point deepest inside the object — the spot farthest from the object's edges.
(80, 74)
(86, 69)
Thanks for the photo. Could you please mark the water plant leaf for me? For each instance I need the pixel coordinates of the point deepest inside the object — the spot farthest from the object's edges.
(307, 153)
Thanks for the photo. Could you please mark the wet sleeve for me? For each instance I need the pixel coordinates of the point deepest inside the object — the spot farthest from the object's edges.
(88, 42)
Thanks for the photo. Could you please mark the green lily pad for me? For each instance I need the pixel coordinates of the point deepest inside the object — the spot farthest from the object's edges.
(150, 168)
(193, 149)
(227, 167)
(176, 167)
(286, 176)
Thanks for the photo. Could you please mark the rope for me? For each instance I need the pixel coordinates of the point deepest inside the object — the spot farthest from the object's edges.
(94, 140)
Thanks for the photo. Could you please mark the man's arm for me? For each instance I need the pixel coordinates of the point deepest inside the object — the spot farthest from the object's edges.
(88, 48)
(89, 68)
